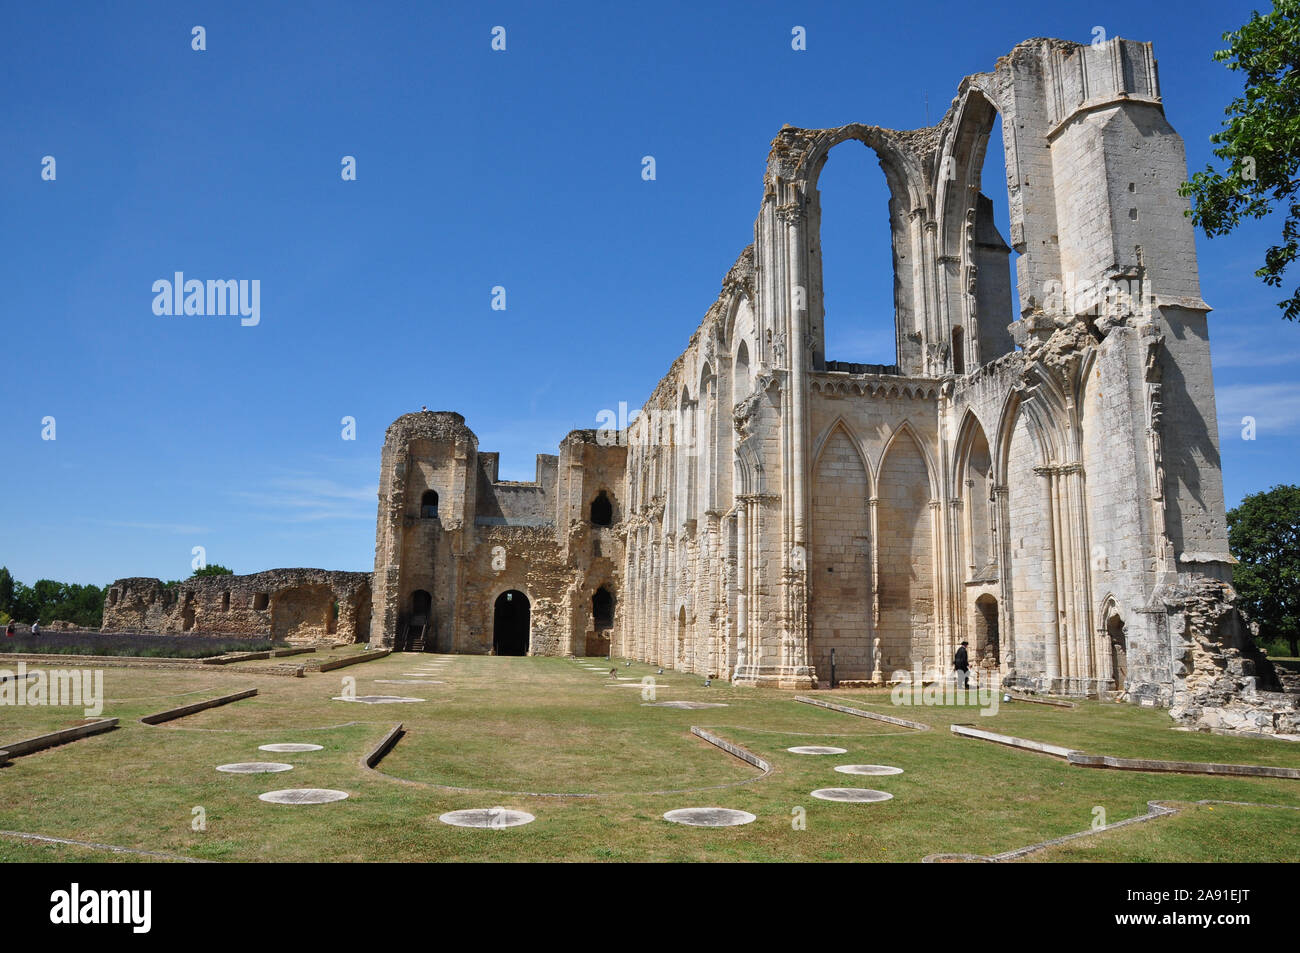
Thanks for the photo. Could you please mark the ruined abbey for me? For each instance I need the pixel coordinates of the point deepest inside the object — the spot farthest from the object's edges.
(1037, 473)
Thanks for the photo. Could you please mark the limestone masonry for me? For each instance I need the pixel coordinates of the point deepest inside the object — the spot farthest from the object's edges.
(1037, 474)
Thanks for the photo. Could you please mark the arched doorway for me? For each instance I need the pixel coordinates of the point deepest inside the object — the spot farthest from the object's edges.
(417, 626)
(510, 623)
(986, 629)
(681, 636)
(1118, 651)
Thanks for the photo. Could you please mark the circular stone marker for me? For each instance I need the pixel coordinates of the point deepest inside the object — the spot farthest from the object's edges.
(287, 747)
(688, 705)
(487, 817)
(302, 796)
(377, 699)
(255, 767)
(867, 769)
(852, 795)
(709, 817)
(815, 749)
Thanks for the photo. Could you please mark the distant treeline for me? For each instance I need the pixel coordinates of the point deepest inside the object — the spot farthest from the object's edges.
(48, 600)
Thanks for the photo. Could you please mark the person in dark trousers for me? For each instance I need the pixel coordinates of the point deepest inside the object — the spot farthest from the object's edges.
(961, 663)
(10, 630)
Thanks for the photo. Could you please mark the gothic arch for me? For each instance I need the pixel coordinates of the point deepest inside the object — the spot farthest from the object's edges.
(839, 423)
(906, 429)
(968, 430)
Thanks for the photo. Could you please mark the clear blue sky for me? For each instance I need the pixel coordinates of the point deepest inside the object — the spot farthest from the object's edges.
(474, 169)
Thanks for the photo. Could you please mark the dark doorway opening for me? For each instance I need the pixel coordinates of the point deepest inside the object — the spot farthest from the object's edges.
(510, 621)
(429, 505)
(412, 636)
(1118, 651)
(986, 629)
(602, 510)
(602, 609)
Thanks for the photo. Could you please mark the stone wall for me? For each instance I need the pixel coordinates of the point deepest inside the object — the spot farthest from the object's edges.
(533, 543)
(295, 605)
(1222, 681)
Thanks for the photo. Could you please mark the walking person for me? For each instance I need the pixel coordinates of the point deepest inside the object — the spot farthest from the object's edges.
(11, 629)
(961, 663)
(36, 627)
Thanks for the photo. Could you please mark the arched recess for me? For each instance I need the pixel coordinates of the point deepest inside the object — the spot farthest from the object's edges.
(1116, 642)
(973, 479)
(1030, 587)
(705, 441)
(908, 194)
(905, 432)
(906, 546)
(976, 257)
(742, 381)
(988, 642)
(839, 563)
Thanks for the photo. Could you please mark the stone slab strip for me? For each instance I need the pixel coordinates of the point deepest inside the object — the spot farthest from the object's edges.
(1155, 809)
(354, 660)
(236, 657)
(1056, 751)
(1130, 764)
(385, 745)
(14, 749)
(733, 749)
(173, 713)
(117, 850)
(132, 661)
(1055, 703)
(888, 719)
(301, 650)
(1182, 767)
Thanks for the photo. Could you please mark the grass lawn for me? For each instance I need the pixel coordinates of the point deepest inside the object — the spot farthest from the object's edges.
(598, 767)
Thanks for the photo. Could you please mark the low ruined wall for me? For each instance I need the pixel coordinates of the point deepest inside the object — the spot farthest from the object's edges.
(1222, 681)
(294, 605)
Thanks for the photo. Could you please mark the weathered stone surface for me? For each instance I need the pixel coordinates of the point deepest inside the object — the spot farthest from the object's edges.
(1036, 473)
(852, 795)
(303, 796)
(492, 818)
(254, 767)
(709, 817)
(294, 605)
(1221, 679)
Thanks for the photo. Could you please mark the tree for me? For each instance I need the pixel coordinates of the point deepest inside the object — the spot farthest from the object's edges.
(1260, 142)
(213, 569)
(1264, 535)
(6, 590)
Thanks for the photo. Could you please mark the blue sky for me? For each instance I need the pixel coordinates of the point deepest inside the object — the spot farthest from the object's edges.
(474, 169)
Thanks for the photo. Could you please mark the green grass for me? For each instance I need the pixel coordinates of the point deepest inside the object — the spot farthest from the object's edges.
(549, 726)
